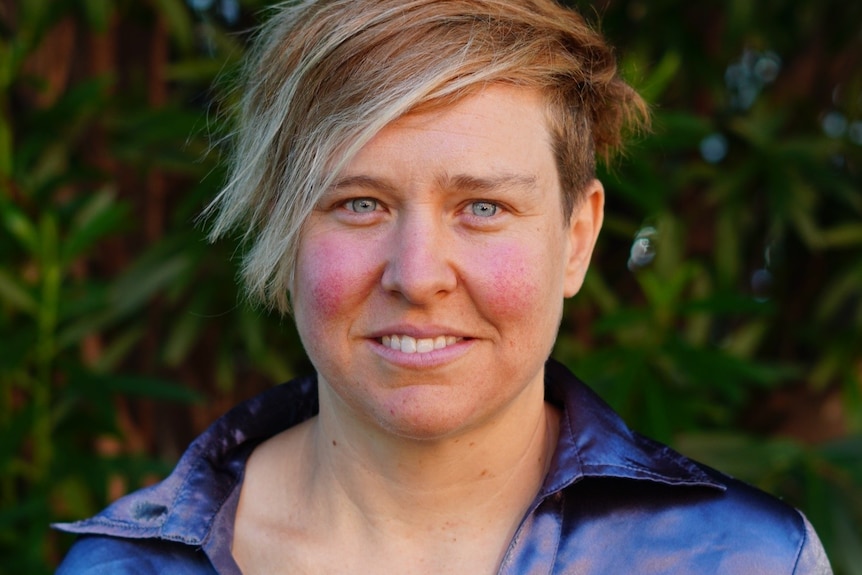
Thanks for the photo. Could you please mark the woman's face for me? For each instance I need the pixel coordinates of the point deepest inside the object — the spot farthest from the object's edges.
(430, 279)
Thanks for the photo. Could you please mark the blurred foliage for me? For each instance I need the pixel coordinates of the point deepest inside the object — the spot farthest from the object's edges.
(723, 311)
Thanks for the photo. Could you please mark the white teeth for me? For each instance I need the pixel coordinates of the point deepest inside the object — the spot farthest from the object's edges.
(408, 344)
(424, 345)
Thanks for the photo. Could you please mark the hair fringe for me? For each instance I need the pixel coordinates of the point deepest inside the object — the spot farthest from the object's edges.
(323, 76)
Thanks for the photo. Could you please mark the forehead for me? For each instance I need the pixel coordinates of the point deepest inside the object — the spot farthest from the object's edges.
(498, 129)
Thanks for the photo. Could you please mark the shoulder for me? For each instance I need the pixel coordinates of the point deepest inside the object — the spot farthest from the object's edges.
(754, 519)
(167, 524)
(690, 529)
(632, 504)
(104, 555)
(764, 531)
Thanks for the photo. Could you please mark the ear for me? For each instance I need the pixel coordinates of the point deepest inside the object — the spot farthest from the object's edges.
(583, 230)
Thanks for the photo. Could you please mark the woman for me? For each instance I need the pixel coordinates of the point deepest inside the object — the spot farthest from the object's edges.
(417, 182)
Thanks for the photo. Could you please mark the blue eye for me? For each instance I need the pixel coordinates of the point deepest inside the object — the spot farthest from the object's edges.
(361, 205)
(483, 209)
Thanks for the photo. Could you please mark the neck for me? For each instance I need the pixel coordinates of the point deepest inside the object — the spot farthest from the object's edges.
(480, 479)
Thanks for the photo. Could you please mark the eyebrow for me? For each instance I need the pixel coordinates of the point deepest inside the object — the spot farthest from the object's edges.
(361, 181)
(510, 181)
(458, 182)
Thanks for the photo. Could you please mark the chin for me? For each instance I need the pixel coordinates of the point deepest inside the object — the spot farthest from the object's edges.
(429, 415)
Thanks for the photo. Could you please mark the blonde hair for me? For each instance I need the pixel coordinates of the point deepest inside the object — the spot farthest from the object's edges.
(324, 76)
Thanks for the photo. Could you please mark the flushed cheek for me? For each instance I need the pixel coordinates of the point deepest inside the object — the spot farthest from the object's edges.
(331, 273)
(510, 283)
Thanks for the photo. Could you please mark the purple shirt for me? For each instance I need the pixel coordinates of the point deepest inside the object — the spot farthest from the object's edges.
(612, 502)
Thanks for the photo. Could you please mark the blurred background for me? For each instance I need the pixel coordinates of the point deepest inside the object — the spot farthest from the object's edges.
(722, 313)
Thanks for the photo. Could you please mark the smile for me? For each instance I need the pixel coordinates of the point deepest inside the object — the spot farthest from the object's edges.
(407, 344)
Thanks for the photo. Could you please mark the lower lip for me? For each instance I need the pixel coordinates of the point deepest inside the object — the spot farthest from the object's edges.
(427, 360)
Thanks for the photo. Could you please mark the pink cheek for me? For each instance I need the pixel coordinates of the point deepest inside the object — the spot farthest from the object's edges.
(329, 276)
(513, 284)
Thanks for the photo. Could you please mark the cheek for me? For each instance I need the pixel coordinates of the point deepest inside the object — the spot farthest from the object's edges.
(329, 274)
(515, 283)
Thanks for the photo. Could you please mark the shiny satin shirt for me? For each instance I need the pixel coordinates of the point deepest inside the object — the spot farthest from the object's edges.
(613, 502)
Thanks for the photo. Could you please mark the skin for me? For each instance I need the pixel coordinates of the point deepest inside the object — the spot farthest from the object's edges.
(446, 224)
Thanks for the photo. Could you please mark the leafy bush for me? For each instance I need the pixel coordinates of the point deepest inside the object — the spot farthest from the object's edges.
(724, 310)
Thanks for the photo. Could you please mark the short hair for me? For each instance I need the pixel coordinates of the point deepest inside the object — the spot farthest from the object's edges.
(324, 76)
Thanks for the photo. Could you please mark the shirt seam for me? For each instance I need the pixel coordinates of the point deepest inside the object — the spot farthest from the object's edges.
(801, 546)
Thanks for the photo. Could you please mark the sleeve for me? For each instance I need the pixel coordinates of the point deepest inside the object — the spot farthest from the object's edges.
(104, 555)
(812, 558)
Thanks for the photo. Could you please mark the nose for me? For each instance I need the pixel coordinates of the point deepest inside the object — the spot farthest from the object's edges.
(419, 267)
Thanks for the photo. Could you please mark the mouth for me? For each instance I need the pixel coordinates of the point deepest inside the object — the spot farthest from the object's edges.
(408, 344)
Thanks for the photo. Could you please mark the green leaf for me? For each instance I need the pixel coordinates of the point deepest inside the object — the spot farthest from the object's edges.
(847, 551)
(679, 130)
(100, 216)
(747, 458)
(152, 274)
(139, 385)
(661, 76)
(14, 292)
(843, 236)
(657, 409)
(727, 304)
(182, 337)
(179, 22)
(20, 227)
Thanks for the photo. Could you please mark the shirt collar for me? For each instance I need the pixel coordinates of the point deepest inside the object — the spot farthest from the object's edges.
(593, 442)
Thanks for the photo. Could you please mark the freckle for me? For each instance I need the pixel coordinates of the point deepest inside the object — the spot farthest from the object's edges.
(472, 443)
(484, 473)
